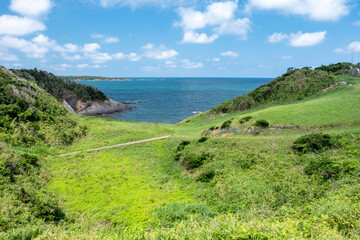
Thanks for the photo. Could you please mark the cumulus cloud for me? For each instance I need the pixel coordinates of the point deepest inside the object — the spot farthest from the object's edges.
(139, 3)
(229, 54)
(194, 37)
(33, 8)
(277, 37)
(286, 57)
(306, 39)
(299, 39)
(186, 63)
(354, 46)
(19, 26)
(320, 10)
(104, 38)
(158, 53)
(220, 16)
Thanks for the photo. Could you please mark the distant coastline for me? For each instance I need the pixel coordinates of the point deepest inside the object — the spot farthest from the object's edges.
(94, 78)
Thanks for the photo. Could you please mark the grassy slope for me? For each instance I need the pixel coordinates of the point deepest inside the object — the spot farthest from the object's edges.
(258, 180)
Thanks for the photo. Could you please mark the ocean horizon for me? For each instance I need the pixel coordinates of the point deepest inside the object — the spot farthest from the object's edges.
(171, 100)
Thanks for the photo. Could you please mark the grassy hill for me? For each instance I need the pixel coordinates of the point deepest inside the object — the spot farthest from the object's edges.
(298, 178)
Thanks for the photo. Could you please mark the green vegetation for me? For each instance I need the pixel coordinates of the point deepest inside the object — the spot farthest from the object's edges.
(59, 87)
(262, 123)
(298, 179)
(338, 68)
(293, 85)
(29, 116)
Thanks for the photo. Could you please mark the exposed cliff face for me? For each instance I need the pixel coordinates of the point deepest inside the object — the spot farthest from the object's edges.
(91, 108)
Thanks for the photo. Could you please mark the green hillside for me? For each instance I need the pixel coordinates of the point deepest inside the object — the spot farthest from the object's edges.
(219, 176)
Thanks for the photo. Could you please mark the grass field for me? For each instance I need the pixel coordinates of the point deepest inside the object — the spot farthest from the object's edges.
(246, 187)
(241, 186)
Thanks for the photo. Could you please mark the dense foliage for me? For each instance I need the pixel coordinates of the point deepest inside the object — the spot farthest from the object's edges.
(293, 85)
(29, 116)
(59, 88)
(338, 68)
(23, 199)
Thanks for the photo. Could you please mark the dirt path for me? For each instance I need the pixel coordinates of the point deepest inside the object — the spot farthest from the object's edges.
(117, 145)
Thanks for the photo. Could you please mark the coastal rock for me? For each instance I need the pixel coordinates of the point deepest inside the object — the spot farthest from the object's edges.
(97, 108)
(343, 83)
(67, 106)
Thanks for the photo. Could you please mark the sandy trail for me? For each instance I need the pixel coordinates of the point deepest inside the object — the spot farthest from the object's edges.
(117, 145)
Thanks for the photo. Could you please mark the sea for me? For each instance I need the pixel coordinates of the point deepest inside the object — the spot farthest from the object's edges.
(171, 100)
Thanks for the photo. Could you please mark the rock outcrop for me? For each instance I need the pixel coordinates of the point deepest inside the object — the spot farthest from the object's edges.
(90, 108)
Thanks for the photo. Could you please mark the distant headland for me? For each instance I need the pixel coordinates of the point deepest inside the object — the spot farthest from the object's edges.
(94, 78)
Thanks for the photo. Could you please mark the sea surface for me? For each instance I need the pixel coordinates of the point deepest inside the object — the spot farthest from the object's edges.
(171, 100)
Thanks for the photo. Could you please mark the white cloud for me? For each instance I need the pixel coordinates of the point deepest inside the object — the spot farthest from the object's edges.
(357, 23)
(139, 3)
(286, 57)
(218, 15)
(83, 65)
(238, 27)
(192, 65)
(320, 10)
(215, 59)
(133, 57)
(354, 46)
(299, 39)
(170, 64)
(158, 53)
(31, 8)
(306, 39)
(194, 37)
(19, 26)
(111, 40)
(31, 49)
(105, 39)
(5, 56)
(277, 37)
(229, 54)
(91, 47)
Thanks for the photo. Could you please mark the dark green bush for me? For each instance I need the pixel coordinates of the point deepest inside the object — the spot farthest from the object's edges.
(203, 139)
(262, 123)
(245, 119)
(313, 143)
(325, 166)
(192, 161)
(226, 124)
(182, 145)
(206, 176)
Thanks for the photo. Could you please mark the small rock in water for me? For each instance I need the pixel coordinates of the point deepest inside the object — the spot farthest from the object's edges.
(343, 83)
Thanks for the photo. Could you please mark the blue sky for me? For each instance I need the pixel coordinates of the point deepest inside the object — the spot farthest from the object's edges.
(177, 38)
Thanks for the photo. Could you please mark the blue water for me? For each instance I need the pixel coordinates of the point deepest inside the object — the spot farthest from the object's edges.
(171, 100)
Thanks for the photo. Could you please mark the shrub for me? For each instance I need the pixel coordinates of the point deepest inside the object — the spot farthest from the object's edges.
(262, 123)
(245, 119)
(226, 124)
(326, 167)
(313, 143)
(206, 176)
(203, 139)
(194, 161)
(182, 145)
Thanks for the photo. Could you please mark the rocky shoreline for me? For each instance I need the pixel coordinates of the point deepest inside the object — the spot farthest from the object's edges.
(92, 108)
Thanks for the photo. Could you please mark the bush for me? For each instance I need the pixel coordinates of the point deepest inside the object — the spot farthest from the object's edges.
(194, 161)
(245, 119)
(313, 143)
(202, 139)
(182, 145)
(226, 124)
(326, 167)
(206, 176)
(262, 123)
